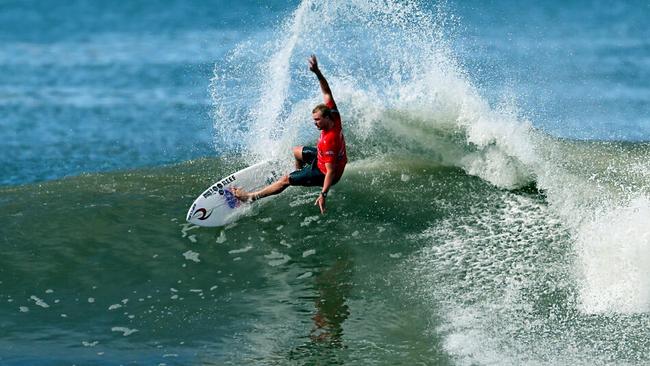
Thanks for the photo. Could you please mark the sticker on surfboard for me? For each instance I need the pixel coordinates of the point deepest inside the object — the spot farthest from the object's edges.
(218, 206)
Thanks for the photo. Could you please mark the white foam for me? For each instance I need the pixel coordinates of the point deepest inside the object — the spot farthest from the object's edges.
(242, 250)
(305, 275)
(309, 252)
(191, 256)
(309, 219)
(276, 83)
(614, 257)
(481, 270)
(277, 258)
(39, 302)
(303, 199)
(187, 227)
(274, 255)
(125, 331)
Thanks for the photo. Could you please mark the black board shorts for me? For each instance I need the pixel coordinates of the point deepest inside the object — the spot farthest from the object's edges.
(309, 175)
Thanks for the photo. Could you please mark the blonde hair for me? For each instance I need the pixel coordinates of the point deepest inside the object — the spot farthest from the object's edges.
(324, 110)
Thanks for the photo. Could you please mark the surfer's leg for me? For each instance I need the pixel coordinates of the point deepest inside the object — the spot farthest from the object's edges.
(275, 188)
(304, 155)
(309, 175)
(297, 154)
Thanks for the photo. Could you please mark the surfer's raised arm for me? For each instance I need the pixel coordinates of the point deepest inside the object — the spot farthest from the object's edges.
(324, 86)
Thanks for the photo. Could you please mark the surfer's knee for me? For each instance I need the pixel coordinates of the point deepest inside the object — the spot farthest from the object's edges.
(284, 181)
(297, 153)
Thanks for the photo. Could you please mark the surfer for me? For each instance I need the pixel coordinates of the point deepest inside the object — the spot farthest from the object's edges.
(322, 165)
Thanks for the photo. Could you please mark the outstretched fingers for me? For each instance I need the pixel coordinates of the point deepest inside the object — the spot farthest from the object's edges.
(313, 63)
(320, 202)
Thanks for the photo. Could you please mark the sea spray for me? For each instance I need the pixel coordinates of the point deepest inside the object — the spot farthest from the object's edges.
(400, 79)
(269, 112)
(614, 258)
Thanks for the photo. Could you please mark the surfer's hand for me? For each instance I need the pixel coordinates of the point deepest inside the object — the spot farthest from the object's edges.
(320, 202)
(313, 64)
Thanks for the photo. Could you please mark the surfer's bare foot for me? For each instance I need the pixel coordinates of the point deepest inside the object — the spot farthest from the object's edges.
(241, 194)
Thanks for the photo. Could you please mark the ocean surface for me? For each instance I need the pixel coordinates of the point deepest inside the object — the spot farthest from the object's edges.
(495, 209)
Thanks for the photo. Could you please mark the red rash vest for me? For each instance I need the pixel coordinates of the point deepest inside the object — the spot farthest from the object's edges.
(331, 145)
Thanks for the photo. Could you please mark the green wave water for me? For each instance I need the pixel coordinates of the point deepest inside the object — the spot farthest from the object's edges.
(102, 267)
(415, 262)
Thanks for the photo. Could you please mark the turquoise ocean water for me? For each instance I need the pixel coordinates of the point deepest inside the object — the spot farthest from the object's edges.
(494, 211)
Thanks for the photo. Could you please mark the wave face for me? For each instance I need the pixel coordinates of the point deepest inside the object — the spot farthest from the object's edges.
(461, 234)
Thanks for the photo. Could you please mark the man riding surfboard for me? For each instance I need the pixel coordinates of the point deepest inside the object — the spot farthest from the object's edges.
(322, 165)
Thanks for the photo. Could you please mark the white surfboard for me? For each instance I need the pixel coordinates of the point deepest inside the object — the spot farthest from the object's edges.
(218, 206)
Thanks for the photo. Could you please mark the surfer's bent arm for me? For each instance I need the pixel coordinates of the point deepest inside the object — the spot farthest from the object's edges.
(329, 177)
(327, 183)
(324, 86)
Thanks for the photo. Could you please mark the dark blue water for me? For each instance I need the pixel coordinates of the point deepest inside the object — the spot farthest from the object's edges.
(97, 86)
